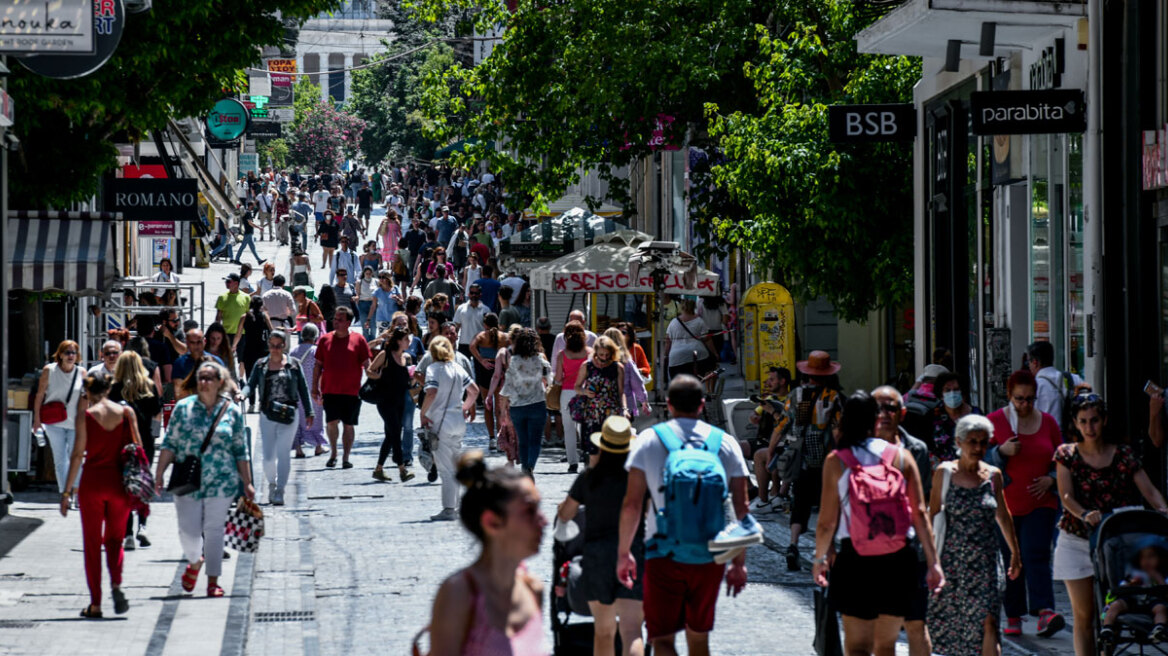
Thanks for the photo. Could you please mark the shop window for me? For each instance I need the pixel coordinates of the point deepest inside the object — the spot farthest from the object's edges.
(1047, 183)
(1076, 353)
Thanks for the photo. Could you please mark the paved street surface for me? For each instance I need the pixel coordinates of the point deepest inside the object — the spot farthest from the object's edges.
(349, 566)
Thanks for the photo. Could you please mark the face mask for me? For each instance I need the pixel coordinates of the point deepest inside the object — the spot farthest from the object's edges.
(954, 399)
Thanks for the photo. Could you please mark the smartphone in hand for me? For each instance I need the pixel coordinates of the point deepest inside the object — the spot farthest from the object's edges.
(1152, 389)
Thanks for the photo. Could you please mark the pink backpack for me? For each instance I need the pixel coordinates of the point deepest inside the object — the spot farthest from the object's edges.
(879, 502)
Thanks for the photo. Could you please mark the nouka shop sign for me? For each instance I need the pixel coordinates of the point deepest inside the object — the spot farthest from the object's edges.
(52, 27)
(1052, 111)
(146, 199)
(227, 120)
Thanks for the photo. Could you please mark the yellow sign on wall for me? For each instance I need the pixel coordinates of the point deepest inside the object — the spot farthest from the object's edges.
(768, 331)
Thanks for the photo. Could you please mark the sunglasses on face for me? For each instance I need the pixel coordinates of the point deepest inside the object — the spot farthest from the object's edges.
(208, 378)
(1025, 399)
(70, 353)
(888, 408)
(108, 354)
(275, 345)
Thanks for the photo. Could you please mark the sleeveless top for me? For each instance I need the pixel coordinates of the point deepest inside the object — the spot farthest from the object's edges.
(485, 640)
(103, 447)
(572, 369)
(58, 390)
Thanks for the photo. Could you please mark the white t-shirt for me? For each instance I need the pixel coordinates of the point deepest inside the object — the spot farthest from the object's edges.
(450, 380)
(648, 454)
(470, 321)
(683, 345)
(320, 201)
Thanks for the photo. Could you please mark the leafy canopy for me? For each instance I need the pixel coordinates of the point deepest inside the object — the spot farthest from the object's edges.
(577, 84)
(174, 60)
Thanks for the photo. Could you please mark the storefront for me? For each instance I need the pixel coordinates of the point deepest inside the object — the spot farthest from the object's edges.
(1002, 239)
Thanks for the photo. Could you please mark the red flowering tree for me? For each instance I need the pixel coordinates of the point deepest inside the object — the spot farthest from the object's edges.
(324, 137)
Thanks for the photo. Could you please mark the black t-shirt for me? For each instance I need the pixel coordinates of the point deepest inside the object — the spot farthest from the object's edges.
(256, 344)
(159, 351)
(364, 197)
(247, 227)
(602, 506)
(415, 239)
(548, 341)
(330, 234)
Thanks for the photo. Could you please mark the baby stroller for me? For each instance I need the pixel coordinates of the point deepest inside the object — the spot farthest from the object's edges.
(1119, 539)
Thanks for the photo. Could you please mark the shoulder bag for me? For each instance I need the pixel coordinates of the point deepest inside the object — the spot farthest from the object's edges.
(370, 391)
(940, 521)
(187, 475)
(552, 398)
(55, 412)
(278, 411)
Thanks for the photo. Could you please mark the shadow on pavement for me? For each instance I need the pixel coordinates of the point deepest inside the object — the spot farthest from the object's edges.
(13, 530)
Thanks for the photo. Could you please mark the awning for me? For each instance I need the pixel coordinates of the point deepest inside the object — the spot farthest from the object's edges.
(571, 201)
(604, 268)
(924, 28)
(72, 255)
(72, 216)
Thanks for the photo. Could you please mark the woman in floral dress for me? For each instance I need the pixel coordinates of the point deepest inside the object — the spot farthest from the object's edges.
(600, 392)
(963, 617)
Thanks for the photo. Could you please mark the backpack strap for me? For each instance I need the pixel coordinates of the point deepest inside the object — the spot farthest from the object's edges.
(847, 458)
(668, 438)
(890, 453)
(713, 443)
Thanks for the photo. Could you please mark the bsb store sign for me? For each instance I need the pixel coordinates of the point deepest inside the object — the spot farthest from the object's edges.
(1052, 111)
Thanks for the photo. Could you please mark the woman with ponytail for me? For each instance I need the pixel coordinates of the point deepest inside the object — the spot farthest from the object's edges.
(493, 606)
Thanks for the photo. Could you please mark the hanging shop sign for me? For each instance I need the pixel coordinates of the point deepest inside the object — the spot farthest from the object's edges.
(264, 130)
(156, 228)
(108, 19)
(283, 115)
(279, 71)
(1051, 111)
(228, 120)
(145, 199)
(870, 123)
(7, 109)
(34, 27)
(249, 162)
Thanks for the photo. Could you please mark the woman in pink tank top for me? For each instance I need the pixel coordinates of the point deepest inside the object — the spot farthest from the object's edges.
(493, 607)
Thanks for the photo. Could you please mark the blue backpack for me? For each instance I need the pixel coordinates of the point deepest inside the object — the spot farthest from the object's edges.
(695, 487)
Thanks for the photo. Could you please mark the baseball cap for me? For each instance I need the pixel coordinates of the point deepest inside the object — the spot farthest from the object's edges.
(232, 277)
(931, 371)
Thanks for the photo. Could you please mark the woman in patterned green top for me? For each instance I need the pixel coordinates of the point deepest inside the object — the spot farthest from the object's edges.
(226, 471)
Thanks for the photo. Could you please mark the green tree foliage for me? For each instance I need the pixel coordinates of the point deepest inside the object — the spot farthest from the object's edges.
(273, 152)
(305, 96)
(174, 60)
(577, 83)
(388, 97)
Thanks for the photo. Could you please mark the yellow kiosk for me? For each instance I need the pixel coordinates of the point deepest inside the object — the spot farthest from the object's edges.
(768, 332)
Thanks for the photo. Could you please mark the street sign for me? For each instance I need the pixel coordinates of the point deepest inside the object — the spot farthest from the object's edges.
(33, 27)
(1051, 111)
(108, 18)
(870, 123)
(264, 130)
(227, 120)
(145, 199)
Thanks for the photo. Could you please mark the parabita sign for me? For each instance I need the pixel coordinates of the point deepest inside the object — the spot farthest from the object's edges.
(1028, 112)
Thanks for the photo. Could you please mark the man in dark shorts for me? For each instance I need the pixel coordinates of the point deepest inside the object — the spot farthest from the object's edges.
(680, 587)
(341, 357)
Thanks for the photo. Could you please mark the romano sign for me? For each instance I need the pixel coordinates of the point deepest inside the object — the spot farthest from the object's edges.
(146, 199)
(1028, 112)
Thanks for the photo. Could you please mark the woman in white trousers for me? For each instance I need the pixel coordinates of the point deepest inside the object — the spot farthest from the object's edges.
(60, 385)
(213, 418)
(444, 412)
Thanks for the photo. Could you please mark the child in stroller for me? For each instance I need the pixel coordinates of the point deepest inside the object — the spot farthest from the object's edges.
(1147, 569)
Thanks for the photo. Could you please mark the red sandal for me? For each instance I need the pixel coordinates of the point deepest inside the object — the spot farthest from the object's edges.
(191, 576)
(214, 591)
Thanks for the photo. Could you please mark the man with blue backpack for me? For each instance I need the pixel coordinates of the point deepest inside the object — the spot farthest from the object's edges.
(693, 472)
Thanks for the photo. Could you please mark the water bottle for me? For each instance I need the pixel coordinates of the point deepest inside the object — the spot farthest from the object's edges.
(39, 434)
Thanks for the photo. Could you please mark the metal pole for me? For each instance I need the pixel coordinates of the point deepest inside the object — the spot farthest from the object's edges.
(5, 271)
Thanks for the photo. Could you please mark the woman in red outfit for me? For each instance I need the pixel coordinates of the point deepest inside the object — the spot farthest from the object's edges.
(1025, 438)
(103, 429)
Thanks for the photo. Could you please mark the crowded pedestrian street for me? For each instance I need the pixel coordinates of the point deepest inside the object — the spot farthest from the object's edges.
(586, 328)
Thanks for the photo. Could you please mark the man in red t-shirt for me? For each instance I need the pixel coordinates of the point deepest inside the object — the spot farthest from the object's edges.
(341, 356)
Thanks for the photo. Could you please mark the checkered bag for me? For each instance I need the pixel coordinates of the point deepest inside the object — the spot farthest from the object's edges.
(244, 527)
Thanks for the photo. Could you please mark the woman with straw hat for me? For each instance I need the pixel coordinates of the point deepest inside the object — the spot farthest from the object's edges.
(601, 490)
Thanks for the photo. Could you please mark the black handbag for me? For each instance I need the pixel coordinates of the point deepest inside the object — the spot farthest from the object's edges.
(282, 413)
(827, 634)
(188, 474)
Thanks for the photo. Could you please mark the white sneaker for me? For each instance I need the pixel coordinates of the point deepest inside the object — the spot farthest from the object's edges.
(760, 507)
(447, 515)
(723, 557)
(278, 498)
(272, 493)
(128, 544)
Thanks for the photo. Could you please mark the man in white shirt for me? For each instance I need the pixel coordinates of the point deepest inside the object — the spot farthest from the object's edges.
(469, 318)
(279, 304)
(589, 336)
(346, 259)
(320, 200)
(1053, 385)
(265, 201)
(669, 609)
(516, 283)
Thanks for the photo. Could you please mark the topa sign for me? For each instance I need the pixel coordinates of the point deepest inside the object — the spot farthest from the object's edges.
(1052, 111)
(146, 199)
(868, 123)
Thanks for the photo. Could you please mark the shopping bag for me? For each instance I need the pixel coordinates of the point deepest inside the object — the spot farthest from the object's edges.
(244, 526)
(827, 634)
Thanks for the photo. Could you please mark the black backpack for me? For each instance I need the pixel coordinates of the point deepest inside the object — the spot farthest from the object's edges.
(920, 416)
